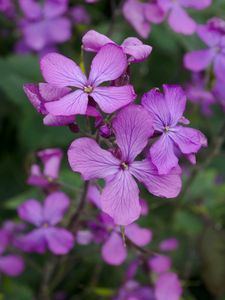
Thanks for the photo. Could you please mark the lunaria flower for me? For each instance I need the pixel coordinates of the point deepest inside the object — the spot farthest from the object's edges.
(109, 64)
(168, 286)
(80, 15)
(45, 217)
(178, 18)
(11, 265)
(213, 35)
(160, 263)
(120, 197)
(169, 244)
(132, 290)
(51, 160)
(133, 47)
(167, 112)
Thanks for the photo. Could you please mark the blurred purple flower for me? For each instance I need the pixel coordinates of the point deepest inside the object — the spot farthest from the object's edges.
(45, 217)
(109, 64)
(80, 15)
(167, 112)
(170, 244)
(160, 263)
(133, 47)
(84, 237)
(132, 290)
(11, 265)
(178, 18)
(7, 8)
(44, 24)
(120, 197)
(168, 286)
(213, 35)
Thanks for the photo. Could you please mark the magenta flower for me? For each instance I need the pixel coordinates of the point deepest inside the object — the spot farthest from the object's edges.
(120, 197)
(11, 265)
(167, 112)
(132, 290)
(108, 64)
(45, 217)
(168, 286)
(133, 47)
(51, 160)
(80, 15)
(170, 244)
(45, 25)
(178, 18)
(160, 263)
(212, 34)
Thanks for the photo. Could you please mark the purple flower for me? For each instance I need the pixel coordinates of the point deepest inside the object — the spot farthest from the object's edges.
(51, 159)
(11, 265)
(120, 197)
(169, 244)
(213, 35)
(140, 15)
(80, 15)
(45, 217)
(132, 290)
(42, 93)
(108, 64)
(133, 47)
(44, 25)
(168, 286)
(178, 19)
(7, 7)
(160, 263)
(167, 111)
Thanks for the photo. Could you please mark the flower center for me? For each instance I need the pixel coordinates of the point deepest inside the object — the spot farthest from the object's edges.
(166, 129)
(45, 225)
(88, 89)
(124, 166)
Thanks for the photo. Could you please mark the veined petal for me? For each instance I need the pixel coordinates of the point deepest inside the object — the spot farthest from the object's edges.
(93, 41)
(51, 92)
(86, 157)
(11, 265)
(62, 71)
(31, 211)
(120, 198)
(72, 104)
(132, 127)
(139, 236)
(113, 98)
(136, 49)
(167, 186)
(198, 60)
(33, 94)
(60, 241)
(109, 64)
(162, 154)
(51, 120)
(55, 206)
(113, 250)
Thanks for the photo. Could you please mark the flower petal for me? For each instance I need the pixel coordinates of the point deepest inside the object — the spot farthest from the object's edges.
(59, 30)
(136, 49)
(113, 250)
(169, 244)
(168, 186)
(219, 67)
(139, 236)
(93, 41)
(51, 120)
(51, 92)
(160, 263)
(209, 35)
(85, 156)
(30, 8)
(200, 4)
(69, 105)
(113, 98)
(33, 241)
(55, 206)
(12, 265)
(51, 159)
(162, 154)
(33, 94)
(132, 127)
(54, 9)
(35, 35)
(62, 71)
(120, 198)
(94, 196)
(109, 64)
(167, 287)
(154, 13)
(60, 241)
(198, 60)
(31, 211)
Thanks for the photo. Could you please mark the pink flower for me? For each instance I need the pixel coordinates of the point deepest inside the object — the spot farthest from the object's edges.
(160, 263)
(120, 197)
(45, 217)
(168, 286)
(108, 64)
(169, 244)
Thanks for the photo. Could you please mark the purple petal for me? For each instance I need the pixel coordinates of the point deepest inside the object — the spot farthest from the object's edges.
(51, 159)
(162, 154)
(188, 140)
(55, 206)
(144, 207)
(59, 30)
(114, 251)
(160, 263)
(51, 92)
(154, 13)
(167, 287)
(168, 186)
(85, 156)
(33, 94)
(136, 49)
(36, 178)
(198, 60)
(200, 4)
(70, 105)
(219, 67)
(94, 196)
(120, 198)
(30, 8)
(11, 265)
(209, 36)
(112, 98)
(109, 64)
(84, 237)
(139, 236)
(60, 241)
(169, 244)
(180, 21)
(93, 41)
(51, 120)
(134, 12)
(35, 35)
(62, 71)
(55, 8)
(31, 211)
(132, 127)
(33, 242)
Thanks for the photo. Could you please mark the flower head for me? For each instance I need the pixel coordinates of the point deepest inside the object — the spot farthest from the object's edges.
(45, 217)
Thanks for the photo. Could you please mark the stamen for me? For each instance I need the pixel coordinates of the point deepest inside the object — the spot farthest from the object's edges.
(124, 166)
(88, 89)
(167, 129)
(45, 225)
